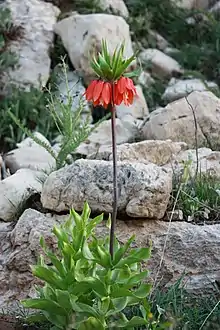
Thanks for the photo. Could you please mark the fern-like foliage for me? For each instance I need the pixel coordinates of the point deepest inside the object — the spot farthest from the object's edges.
(72, 129)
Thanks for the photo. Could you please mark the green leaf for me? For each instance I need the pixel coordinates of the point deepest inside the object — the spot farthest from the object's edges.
(96, 69)
(143, 291)
(88, 310)
(104, 258)
(135, 73)
(120, 303)
(91, 323)
(63, 299)
(122, 68)
(104, 305)
(85, 213)
(97, 285)
(132, 300)
(86, 251)
(45, 304)
(135, 256)
(143, 311)
(48, 292)
(121, 252)
(134, 322)
(60, 234)
(124, 275)
(57, 263)
(80, 288)
(105, 67)
(108, 222)
(77, 218)
(136, 279)
(47, 275)
(93, 224)
(117, 291)
(68, 253)
(106, 52)
(117, 60)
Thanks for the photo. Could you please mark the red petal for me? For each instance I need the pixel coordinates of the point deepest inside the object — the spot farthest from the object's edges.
(107, 92)
(105, 105)
(90, 89)
(130, 97)
(121, 85)
(129, 83)
(95, 103)
(98, 90)
(118, 99)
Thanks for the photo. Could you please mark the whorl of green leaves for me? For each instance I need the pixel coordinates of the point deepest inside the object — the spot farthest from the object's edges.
(112, 67)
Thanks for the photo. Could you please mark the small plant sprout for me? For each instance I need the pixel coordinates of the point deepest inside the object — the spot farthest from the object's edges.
(113, 87)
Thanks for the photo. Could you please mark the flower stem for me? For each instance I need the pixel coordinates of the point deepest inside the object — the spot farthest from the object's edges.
(115, 188)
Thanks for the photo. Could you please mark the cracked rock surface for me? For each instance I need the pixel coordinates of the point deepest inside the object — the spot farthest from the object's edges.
(143, 190)
(176, 121)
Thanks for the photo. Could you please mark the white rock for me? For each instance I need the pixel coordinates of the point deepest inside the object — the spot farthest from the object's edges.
(82, 36)
(145, 79)
(145, 152)
(15, 190)
(115, 6)
(176, 121)
(179, 88)
(201, 4)
(188, 4)
(29, 142)
(162, 64)
(208, 161)
(126, 131)
(192, 4)
(161, 42)
(138, 109)
(144, 190)
(37, 19)
(30, 155)
(216, 8)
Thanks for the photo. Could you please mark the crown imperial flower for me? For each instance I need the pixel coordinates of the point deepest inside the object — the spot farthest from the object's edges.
(114, 85)
(124, 91)
(99, 93)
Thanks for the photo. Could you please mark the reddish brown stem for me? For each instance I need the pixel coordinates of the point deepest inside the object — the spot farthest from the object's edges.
(115, 188)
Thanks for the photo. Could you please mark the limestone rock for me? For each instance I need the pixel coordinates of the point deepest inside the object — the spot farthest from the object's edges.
(161, 42)
(190, 248)
(216, 8)
(30, 155)
(178, 88)
(82, 36)
(138, 109)
(176, 121)
(126, 131)
(15, 190)
(115, 6)
(208, 161)
(150, 151)
(144, 190)
(187, 4)
(201, 4)
(192, 4)
(36, 19)
(162, 64)
(145, 79)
